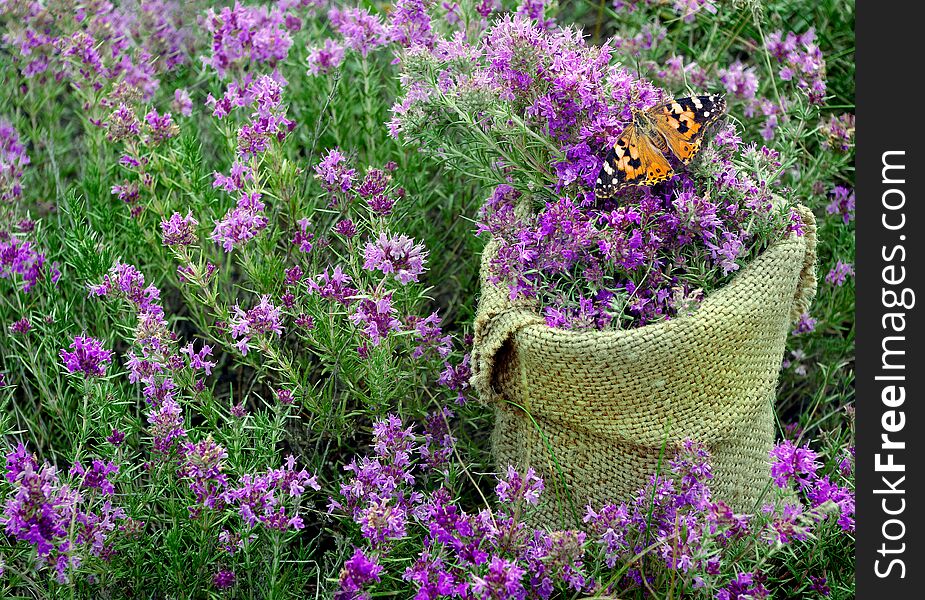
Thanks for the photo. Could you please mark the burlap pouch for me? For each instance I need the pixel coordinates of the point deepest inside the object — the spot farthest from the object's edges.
(593, 411)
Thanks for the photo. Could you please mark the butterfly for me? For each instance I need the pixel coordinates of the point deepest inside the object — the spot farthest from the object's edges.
(642, 153)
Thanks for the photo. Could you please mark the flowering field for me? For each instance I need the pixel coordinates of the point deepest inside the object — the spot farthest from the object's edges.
(239, 272)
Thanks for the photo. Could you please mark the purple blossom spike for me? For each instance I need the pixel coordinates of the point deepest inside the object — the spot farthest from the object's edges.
(87, 356)
(397, 255)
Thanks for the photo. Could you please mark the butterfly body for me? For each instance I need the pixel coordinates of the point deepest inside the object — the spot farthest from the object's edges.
(643, 152)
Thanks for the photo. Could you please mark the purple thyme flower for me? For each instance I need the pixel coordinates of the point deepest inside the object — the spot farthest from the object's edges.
(284, 396)
(359, 572)
(514, 488)
(263, 318)
(87, 356)
(165, 424)
(397, 254)
(745, 586)
(361, 31)
(262, 497)
(179, 230)
(805, 324)
(325, 59)
(21, 326)
(242, 223)
(456, 378)
(97, 476)
(819, 584)
(410, 24)
(233, 182)
(335, 286)
(223, 579)
(182, 103)
(839, 273)
(792, 463)
(430, 338)
(334, 173)
(246, 35)
(126, 281)
(159, 128)
(202, 466)
(839, 132)
(842, 203)
(13, 161)
(740, 81)
(377, 317)
(346, 228)
(116, 438)
(801, 61)
(63, 524)
(198, 360)
(438, 440)
(504, 579)
(18, 257)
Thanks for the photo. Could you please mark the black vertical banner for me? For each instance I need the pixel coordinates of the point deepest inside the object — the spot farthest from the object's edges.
(890, 466)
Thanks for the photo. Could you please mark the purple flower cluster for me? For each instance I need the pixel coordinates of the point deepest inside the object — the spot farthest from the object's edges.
(558, 84)
(159, 128)
(263, 318)
(409, 24)
(223, 579)
(13, 161)
(430, 337)
(360, 30)
(800, 60)
(324, 59)
(63, 524)
(359, 571)
(334, 287)
(247, 35)
(376, 317)
(799, 465)
(626, 262)
(182, 103)
(241, 223)
(805, 324)
(264, 95)
(202, 466)
(87, 356)
(20, 257)
(842, 203)
(744, 586)
(334, 172)
(96, 477)
(179, 230)
(156, 362)
(740, 81)
(838, 132)
(262, 497)
(105, 44)
(456, 378)
(589, 265)
(21, 327)
(397, 255)
(484, 555)
(839, 273)
(672, 514)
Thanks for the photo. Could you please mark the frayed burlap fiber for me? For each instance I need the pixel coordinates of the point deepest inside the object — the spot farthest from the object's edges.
(592, 411)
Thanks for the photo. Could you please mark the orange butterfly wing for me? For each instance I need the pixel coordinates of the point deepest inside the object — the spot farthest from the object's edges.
(682, 123)
(634, 160)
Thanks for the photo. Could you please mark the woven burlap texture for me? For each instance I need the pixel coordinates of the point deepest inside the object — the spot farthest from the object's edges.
(592, 411)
